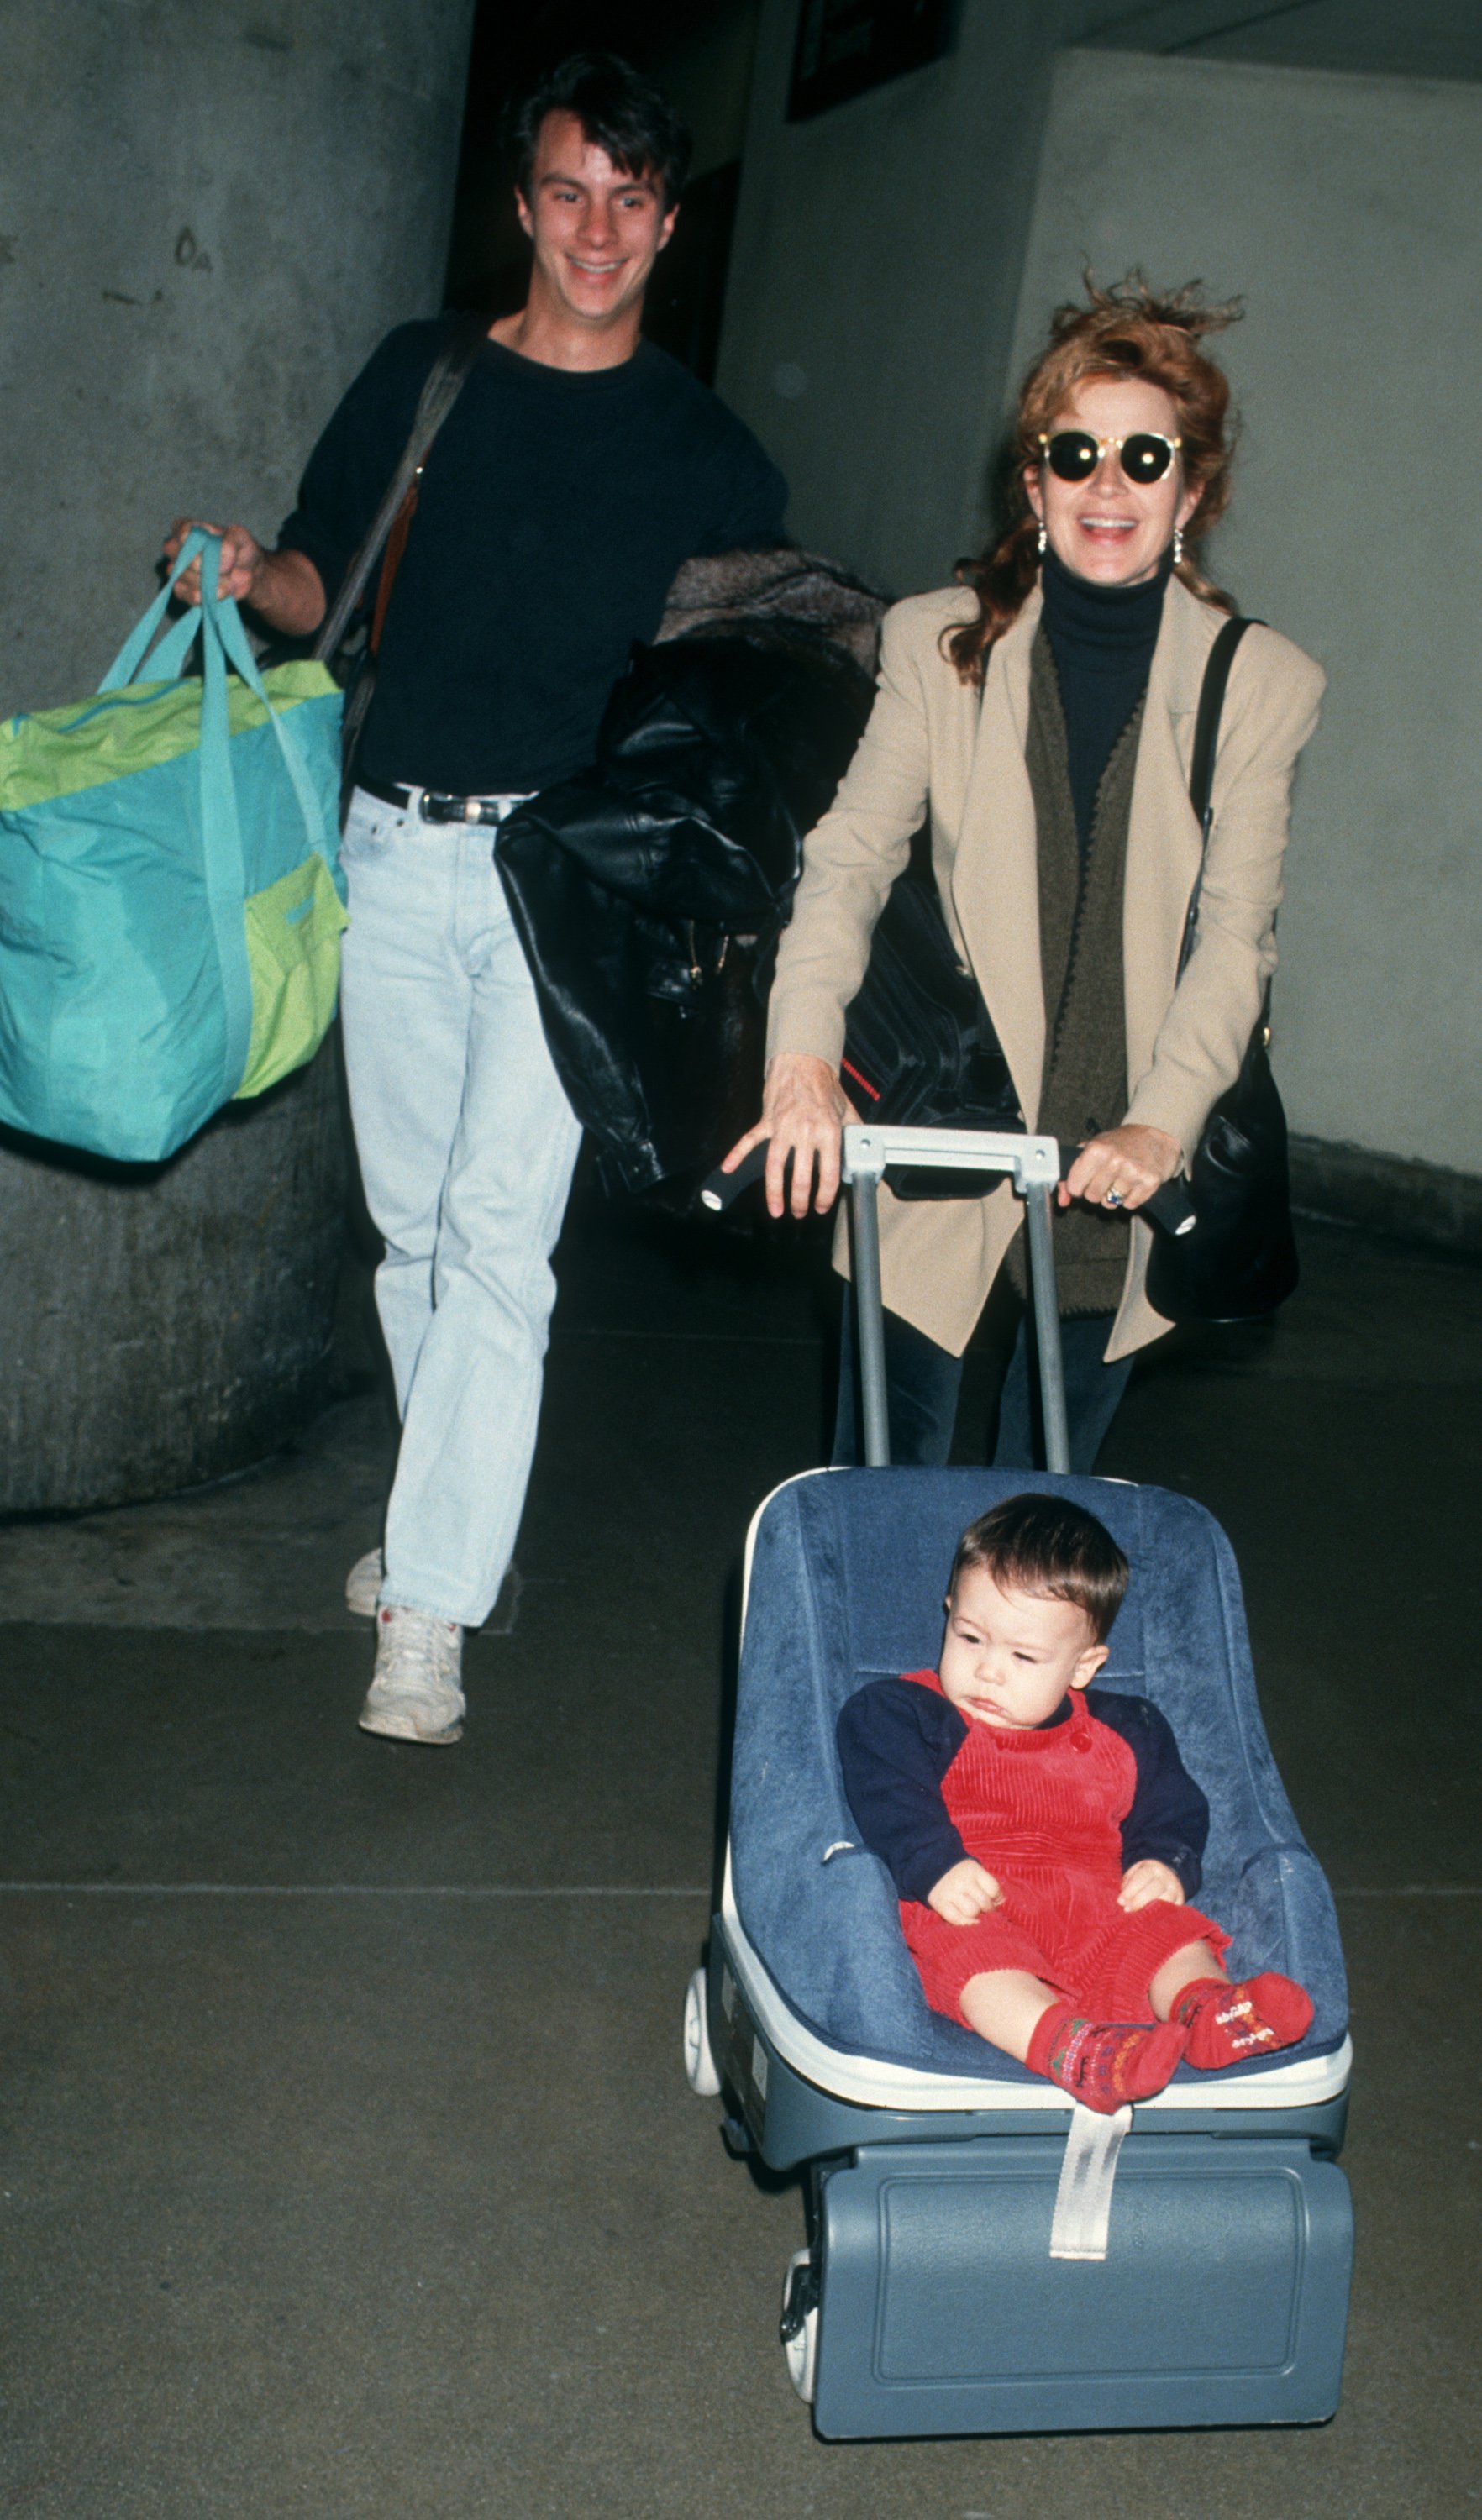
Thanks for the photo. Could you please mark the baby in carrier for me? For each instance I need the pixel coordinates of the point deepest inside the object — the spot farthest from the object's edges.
(1044, 1836)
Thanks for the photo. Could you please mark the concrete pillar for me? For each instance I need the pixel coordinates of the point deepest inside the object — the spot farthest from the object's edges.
(210, 212)
(166, 1324)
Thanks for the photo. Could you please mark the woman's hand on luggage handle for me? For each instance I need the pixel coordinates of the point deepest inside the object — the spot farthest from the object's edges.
(284, 587)
(1122, 1167)
(1147, 1880)
(965, 1893)
(804, 1109)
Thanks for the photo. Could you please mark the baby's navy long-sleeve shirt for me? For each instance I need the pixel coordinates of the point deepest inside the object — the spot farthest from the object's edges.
(897, 1738)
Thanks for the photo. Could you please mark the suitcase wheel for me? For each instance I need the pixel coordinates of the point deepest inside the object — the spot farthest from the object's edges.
(699, 2063)
(799, 2325)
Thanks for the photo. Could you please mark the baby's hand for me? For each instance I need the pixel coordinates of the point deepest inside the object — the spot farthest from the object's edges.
(1143, 1882)
(965, 1893)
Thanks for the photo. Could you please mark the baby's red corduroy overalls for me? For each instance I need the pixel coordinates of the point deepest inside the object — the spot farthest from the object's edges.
(1043, 1812)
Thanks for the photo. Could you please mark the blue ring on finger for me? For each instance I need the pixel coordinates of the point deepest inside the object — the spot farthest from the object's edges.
(1113, 1198)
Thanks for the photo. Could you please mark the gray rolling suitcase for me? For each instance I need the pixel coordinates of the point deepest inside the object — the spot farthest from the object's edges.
(982, 2257)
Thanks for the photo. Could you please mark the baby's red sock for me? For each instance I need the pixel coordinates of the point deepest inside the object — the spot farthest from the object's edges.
(1226, 2024)
(1103, 2063)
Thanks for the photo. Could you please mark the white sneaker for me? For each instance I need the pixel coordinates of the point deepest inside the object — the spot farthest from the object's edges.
(362, 1584)
(415, 1695)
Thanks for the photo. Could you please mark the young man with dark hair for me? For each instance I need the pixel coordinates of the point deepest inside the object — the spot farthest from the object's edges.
(628, 118)
(579, 466)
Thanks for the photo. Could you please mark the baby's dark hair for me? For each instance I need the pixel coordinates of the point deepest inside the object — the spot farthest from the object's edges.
(1045, 1544)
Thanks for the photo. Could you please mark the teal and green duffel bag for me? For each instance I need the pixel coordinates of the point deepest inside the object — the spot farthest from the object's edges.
(171, 898)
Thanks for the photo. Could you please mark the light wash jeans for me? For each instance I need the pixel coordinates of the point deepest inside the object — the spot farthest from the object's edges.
(467, 1144)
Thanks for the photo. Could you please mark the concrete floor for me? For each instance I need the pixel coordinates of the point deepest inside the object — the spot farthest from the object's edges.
(347, 2164)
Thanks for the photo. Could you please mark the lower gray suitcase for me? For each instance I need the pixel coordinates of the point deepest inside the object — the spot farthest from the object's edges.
(1222, 2298)
(927, 2300)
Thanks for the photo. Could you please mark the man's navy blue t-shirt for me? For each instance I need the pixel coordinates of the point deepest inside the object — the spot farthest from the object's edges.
(554, 511)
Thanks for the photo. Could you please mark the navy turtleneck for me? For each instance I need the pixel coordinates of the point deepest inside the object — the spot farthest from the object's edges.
(1101, 639)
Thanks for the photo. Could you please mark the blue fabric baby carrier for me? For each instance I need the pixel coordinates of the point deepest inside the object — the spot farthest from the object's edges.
(171, 901)
(982, 2257)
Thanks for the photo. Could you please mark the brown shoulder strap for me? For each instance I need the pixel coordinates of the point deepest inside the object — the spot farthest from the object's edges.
(396, 543)
(446, 378)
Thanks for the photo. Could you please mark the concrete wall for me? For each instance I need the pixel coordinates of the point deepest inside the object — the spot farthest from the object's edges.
(706, 74)
(1407, 39)
(1349, 213)
(873, 285)
(209, 209)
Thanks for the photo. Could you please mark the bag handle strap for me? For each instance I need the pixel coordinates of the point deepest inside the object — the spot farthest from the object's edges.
(223, 866)
(223, 863)
(446, 378)
(167, 662)
(1206, 738)
(1206, 732)
(173, 649)
(216, 621)
(227, 622)
(223, 643)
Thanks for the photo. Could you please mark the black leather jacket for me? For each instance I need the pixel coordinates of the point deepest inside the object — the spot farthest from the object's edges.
(650, 891)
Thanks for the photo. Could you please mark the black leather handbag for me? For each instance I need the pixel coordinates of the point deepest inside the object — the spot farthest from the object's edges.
(919, 1047)
(1240, 1260)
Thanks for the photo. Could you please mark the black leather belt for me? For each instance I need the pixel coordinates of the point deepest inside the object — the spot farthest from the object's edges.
(435, 808)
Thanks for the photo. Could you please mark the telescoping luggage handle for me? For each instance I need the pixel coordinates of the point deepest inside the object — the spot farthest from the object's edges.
(1035, 1166)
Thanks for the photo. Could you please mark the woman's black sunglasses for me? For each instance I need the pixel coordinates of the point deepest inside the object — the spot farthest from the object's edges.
(1073, 454)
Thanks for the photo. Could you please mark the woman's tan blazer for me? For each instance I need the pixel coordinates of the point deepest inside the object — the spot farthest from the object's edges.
(932, 743)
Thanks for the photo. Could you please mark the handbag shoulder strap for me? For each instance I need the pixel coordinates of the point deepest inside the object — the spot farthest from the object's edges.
(1206, 732)
(1206, 738)
(446, 378)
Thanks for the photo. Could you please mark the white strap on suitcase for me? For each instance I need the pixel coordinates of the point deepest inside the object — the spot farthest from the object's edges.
(1083, 2198)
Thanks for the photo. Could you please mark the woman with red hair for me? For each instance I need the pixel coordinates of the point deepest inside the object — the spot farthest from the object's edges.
(1040, 714)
